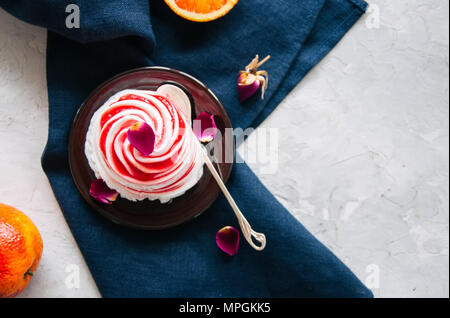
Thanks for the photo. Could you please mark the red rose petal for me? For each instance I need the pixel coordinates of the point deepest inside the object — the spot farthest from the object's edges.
(205, 127)
(142, 137)
(101, 192)
(228, 240)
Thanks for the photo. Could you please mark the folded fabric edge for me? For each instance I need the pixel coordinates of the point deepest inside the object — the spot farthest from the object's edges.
(359, 289)
(300, 68)
(360, 4)
(83, 35)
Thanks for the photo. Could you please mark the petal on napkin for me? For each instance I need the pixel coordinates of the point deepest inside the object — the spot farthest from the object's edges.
(228, 240)
(142, 137)
(101, 192)
(248, 85)
(205, 127)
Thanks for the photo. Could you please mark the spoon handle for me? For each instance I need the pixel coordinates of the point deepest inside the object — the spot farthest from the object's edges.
(246, 228)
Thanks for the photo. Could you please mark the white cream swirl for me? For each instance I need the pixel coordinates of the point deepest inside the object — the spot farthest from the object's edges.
(176, 163)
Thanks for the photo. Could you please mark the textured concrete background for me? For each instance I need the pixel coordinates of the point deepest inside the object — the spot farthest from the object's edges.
(363, 157)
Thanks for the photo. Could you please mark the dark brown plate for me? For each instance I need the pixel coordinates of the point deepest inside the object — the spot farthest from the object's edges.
(150, 215)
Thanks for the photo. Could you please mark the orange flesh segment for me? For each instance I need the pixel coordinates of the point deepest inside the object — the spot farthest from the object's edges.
(201, 10)
(201, 6)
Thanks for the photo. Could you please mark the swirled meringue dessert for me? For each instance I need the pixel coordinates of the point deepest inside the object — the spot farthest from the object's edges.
(167, 169)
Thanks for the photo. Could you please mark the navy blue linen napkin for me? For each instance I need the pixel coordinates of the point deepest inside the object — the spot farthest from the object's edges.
(185, 262)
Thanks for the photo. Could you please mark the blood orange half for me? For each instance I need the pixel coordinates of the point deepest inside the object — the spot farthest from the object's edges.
(201, 10)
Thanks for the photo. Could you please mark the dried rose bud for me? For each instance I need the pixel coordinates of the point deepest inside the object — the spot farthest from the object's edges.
(251, 80)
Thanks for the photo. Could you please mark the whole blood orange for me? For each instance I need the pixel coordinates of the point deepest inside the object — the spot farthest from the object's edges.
(20, 250)
(201, 10)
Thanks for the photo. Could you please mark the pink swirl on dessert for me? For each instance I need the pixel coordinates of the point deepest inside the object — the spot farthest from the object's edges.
(170, 170)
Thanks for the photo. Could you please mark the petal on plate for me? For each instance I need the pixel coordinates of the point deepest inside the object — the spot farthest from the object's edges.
(101, 192)
(205, 127)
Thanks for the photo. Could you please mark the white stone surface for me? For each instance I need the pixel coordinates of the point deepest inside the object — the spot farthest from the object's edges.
(23, 135)
(363, 157)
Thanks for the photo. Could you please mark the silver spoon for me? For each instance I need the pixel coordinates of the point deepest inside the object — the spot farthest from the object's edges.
(246, 228)
(180, 97)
